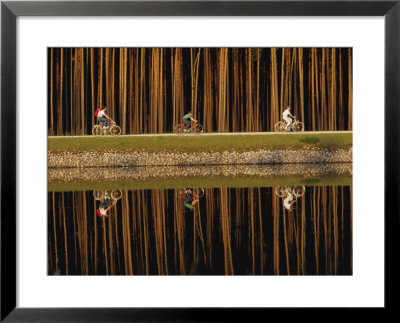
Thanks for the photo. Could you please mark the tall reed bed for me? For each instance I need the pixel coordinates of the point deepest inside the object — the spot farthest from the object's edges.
(148, 90)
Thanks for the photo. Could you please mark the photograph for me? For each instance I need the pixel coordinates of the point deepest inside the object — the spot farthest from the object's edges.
(188, 157)
(199, 161)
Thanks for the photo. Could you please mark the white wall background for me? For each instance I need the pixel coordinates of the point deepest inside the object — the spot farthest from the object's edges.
(364, 288)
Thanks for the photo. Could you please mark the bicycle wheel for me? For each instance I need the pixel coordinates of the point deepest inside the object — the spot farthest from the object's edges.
(178, 129)
(280, 126)
(115, 130)
(198, 129)
(98, 195)
(297, 126)
(299, 191)
(200, 192)
(96, 130)
(116, 194)
(280, 191)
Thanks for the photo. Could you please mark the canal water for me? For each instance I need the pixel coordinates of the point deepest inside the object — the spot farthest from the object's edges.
(281, 230)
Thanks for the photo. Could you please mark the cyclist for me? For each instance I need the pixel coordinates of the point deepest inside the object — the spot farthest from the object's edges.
(287, 116)
(187, 120)
(102, 116)
(190, 198)
(104, 207)
(289, 200)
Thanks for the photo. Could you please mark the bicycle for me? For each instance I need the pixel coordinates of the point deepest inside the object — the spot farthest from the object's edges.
(296, 126)
(198, 192)
(195, 127)
(114, 195)
(297, 191)
(100, 130)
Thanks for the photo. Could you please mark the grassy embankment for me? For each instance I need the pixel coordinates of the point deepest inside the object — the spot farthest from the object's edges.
(205, 182)
(203, 142)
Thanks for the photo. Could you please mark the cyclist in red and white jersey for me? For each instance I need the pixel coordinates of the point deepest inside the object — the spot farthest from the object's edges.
(102, 116)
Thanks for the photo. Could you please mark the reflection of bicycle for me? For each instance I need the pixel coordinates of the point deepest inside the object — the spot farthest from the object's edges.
(295, 126)
(195, 127)
(198, 192)
(297, 191)
(100, 130)
(114, 195)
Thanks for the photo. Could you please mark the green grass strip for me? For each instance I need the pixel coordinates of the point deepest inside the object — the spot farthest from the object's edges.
(205, 182)
(203, 142)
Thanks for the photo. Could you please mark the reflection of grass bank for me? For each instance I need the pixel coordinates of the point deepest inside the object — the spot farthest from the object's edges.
(205, 182)
(195, 143)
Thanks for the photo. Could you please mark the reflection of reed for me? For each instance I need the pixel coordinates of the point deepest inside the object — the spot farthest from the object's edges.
(275, 211)
(231, 231)
(226, 231)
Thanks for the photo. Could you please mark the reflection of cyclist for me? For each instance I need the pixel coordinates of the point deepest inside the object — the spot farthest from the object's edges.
(287, 116)
(104, 207)
(190, 198)
(187, 120)
(288, 200)
(102, 116)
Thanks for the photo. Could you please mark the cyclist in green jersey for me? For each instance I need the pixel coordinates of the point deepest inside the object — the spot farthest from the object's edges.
(190, 198)
(187, 120)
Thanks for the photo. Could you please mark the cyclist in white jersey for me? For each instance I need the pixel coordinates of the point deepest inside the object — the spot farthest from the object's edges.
(287, 116)
(288, 201)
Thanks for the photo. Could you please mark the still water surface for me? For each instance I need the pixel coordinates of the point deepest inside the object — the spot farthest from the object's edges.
(194, 231)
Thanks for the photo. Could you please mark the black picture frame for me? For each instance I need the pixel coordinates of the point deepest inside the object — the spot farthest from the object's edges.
(10, 10)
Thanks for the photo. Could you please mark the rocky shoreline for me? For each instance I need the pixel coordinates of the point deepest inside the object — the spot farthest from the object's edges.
(132, 158)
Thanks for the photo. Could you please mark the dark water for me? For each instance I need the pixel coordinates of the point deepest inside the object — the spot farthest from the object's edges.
(228, 231)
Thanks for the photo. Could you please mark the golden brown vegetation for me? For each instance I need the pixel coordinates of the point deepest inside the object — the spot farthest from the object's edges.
(148, 90)
(233, 231)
